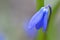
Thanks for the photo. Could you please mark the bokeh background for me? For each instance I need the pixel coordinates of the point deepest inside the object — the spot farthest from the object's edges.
(13, 14)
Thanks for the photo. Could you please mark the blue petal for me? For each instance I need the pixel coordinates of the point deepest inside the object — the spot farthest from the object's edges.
(36, 18)
(45, 22)
(31, 26)
(40, 23)
(39, 20)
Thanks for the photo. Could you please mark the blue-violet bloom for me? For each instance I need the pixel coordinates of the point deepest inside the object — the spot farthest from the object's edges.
(38, 20)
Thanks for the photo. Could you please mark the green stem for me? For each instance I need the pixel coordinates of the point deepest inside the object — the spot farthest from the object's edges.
(39, 4)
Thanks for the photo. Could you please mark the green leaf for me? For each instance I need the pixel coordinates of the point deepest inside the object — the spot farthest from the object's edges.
(51, 30)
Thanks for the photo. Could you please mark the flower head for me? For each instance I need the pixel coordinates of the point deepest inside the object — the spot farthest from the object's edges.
(39, 20)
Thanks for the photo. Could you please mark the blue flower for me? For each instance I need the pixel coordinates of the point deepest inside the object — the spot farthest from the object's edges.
(39, 20)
